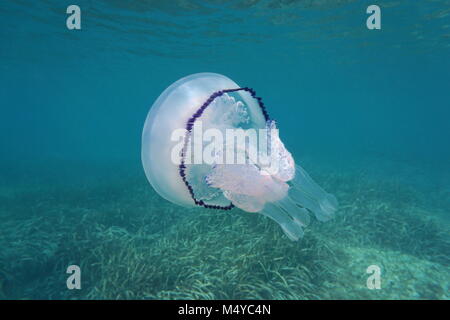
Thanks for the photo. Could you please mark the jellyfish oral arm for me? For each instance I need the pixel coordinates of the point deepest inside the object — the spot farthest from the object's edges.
(287, 195)
(310, 195)
(304, 197)
(289, 204)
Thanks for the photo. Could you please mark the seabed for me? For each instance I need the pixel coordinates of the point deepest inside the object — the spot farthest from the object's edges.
(132, 244)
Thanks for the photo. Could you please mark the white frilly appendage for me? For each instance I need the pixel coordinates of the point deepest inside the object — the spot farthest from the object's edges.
(304, 196)
(284, 193)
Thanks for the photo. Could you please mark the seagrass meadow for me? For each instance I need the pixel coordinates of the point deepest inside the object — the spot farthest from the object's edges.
(131, 244)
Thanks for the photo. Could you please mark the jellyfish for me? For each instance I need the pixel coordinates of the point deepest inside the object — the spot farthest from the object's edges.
(199, 150)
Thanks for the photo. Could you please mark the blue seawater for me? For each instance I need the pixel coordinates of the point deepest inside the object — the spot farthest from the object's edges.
(365, 112)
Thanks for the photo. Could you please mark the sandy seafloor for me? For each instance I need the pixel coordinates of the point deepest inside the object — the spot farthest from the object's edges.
(132, 244)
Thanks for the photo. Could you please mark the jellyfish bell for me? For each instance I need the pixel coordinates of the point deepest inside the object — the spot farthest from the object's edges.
(171, 112)
(268, 181)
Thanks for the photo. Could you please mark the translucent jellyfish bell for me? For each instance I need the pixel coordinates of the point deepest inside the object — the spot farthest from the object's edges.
(208, 142)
